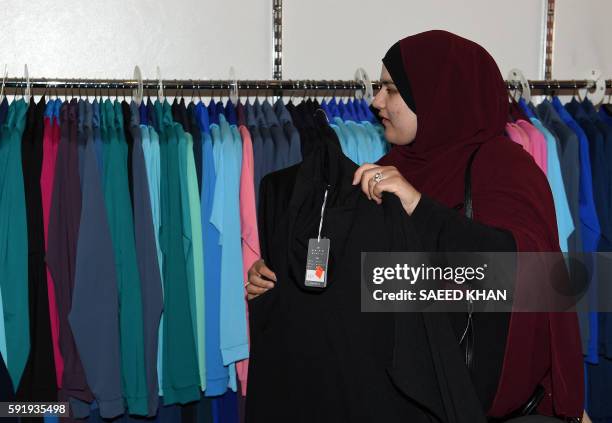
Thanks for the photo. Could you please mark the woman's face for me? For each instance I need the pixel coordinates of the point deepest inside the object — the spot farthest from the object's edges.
(399, 120)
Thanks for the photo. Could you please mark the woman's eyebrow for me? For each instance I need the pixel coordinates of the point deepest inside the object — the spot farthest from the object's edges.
(387, 82)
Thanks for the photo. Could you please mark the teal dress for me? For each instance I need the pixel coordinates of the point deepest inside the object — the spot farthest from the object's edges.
(180, 365)
(14, 243)
(119, 210)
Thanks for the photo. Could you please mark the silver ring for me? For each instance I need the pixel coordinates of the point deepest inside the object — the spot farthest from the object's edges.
(378, 176)
(247, 284)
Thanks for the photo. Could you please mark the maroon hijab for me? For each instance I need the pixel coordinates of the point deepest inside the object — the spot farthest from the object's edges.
(461, 103)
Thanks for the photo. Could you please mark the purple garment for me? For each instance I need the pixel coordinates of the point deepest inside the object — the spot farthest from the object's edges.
(64, 222)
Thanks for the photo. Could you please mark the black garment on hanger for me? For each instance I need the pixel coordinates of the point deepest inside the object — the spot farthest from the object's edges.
(316, 353)
(38, 382)
(127, 122)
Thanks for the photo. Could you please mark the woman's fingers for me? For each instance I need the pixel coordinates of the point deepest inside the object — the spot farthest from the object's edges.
(359, 172)
(258, 281)
(253, 291)
(266, 272)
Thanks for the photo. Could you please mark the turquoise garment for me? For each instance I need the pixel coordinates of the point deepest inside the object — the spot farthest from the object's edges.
(198, 263)
(565, 224)
(180, 366)
(226, 218)
(2, 330)
(350, 143)
(14, 243)
(379, 143)
(150, 147)
(119, 210)
(182, 138)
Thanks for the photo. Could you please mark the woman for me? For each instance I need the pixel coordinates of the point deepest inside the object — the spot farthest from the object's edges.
(442, 102)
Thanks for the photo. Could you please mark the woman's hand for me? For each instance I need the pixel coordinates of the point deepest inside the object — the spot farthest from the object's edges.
(260, 279)
(376, 179)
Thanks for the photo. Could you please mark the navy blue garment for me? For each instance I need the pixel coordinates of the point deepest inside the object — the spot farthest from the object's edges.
(230, 113)
(4, 106)
(144, 116)
(148, 266)
(225, 408)
(268, 159)
(213, 112)
(281, 143)
(291, 133)
(81, 137)
(94, 315)
(601, 185)
(97, 134)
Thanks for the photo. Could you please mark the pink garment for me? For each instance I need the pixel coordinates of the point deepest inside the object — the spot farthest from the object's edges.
(538, 144)
(51, 138)
(516, 134)
(248, 228)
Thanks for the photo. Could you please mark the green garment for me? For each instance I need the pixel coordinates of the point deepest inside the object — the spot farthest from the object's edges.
(180, 364)
(14, 243)
(120, 218)
(198, 264)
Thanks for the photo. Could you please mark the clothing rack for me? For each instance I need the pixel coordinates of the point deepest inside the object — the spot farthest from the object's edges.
(208, 88)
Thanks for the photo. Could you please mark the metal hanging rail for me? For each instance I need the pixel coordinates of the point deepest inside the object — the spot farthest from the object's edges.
(212, 87)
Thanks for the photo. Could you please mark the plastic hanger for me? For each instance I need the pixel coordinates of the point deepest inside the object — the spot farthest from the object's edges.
(233, 96)
(3, 83)
(137, 93)
(27, 94)
(367, 91)
(160, 87)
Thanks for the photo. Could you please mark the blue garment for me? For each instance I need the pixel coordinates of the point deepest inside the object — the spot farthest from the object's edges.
(216, 374)
(589, 221)
(94, 316)
(281, 144)
(291, 133)
(525, 107)
(333, 108)
(49, 107)
(230, 113)
(144, 116)
(565, 224)
(325, 108)
(225, 216)
(225, 408)
(600, 176)
(268, 156)
(97, 134)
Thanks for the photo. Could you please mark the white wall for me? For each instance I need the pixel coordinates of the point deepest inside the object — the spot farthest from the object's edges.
(106, 38)
(582, 38)
(322, 39)
(325, 39)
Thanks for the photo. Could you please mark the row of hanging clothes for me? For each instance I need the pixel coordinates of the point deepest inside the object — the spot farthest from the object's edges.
(572, 145)
(126, 231)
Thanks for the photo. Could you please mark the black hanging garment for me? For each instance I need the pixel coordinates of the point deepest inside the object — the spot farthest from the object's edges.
(38, 382)
(315, 357)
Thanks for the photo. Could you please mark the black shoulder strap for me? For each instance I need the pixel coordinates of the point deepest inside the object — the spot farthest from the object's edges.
(467, 195)
(467, 339)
